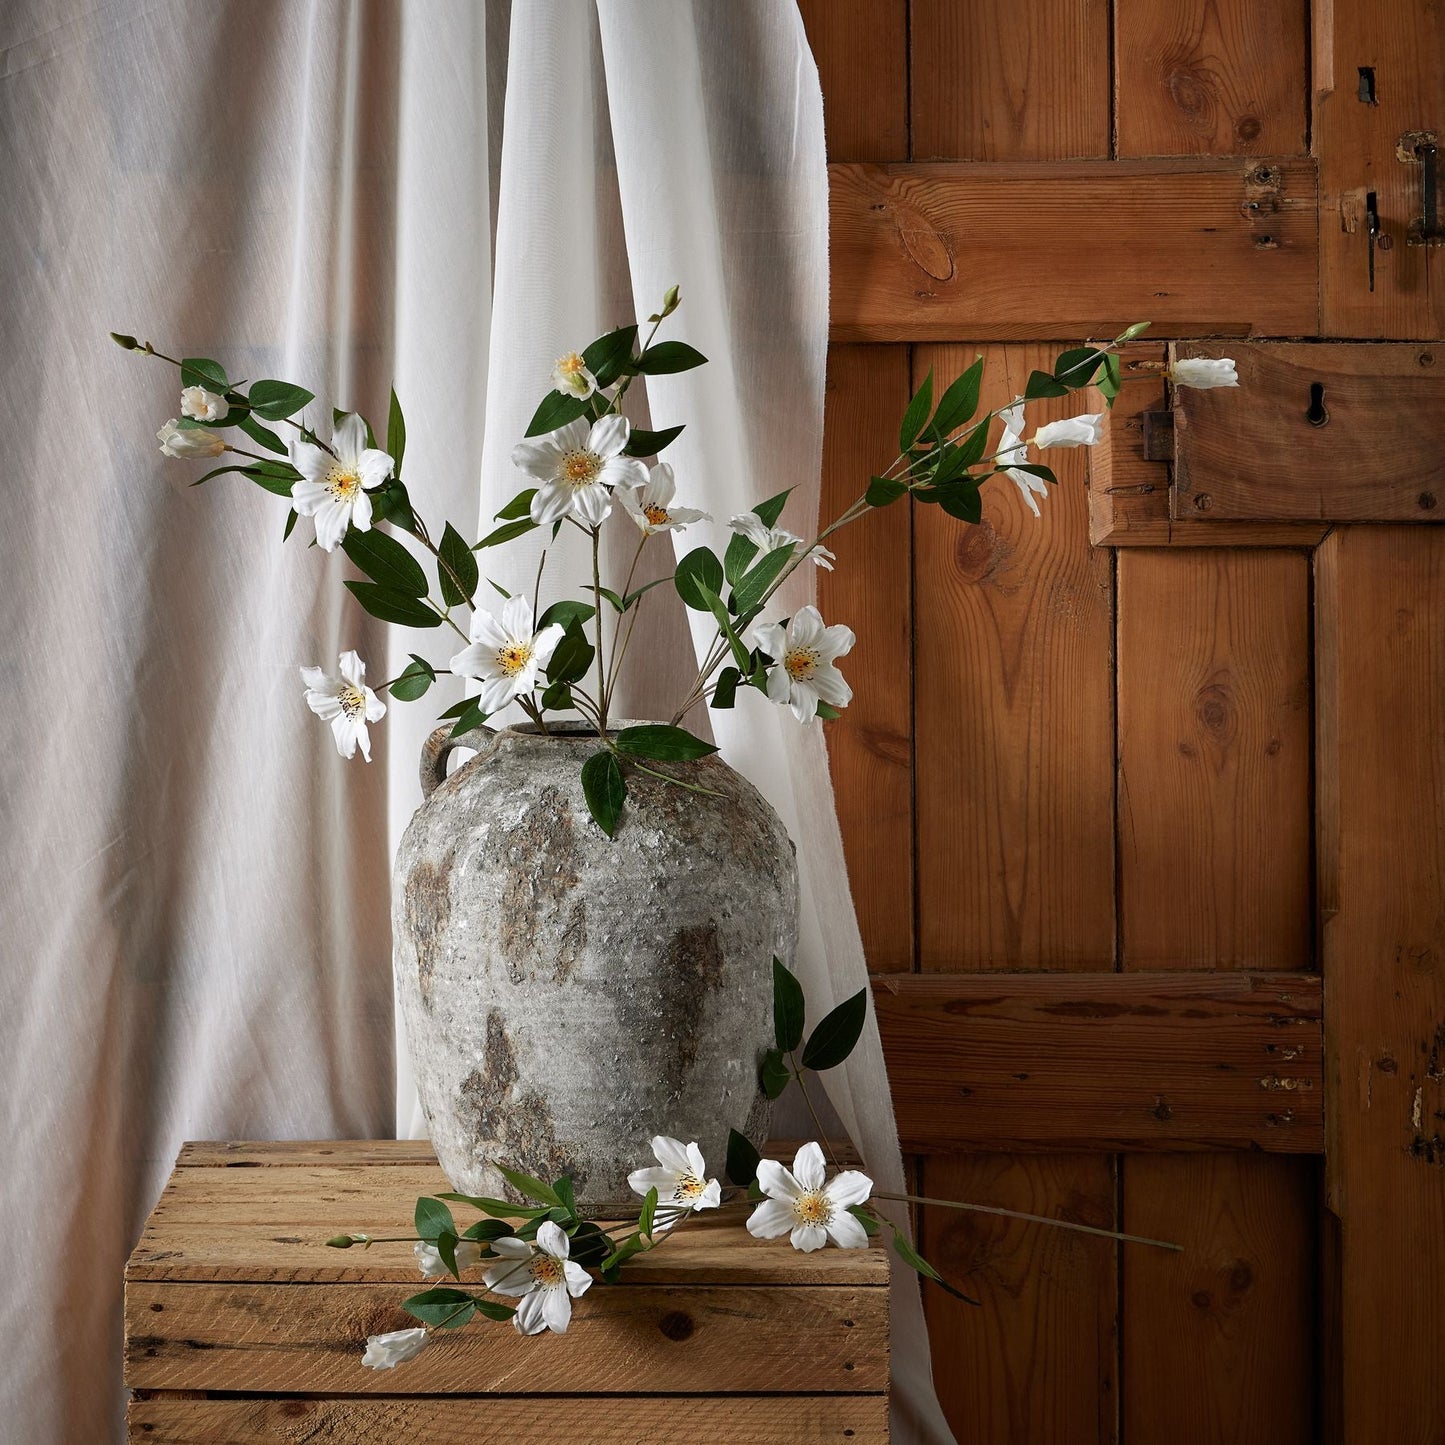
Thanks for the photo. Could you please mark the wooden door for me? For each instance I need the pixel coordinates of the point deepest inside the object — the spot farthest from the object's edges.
(1142, 800)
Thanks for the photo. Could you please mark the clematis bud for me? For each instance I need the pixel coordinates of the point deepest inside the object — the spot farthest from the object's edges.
(1077, 431)
(126, 343)
(386, 1352)
(189, 441)
(202, 405)
(1204, 373)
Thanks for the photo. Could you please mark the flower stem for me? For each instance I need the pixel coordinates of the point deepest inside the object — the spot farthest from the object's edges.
(597, 628)
(1030, 1218)
(817, 1122)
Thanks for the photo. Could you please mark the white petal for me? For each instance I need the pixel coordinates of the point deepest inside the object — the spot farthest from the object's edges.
(540, 458)
(361, 512)
(661, 485)
(375, 467)
(592, 503)
(623, 472)
(1028, 485)
(375, 708)
(509, 1278)
(662, 1180)
(552, 502)
(696, 1163)
(544, 644)
(470, 660)
(770, 1219)
(609, 435)
(428, 1260)
(836, 641)
(780, 685)
(809, 1237)
(803, 702)
(807, 627)
(671, 1153)
(578, 1280)
(308, 459)
(325, 705)
(849, 1187)
(529, 1318)
(808, 1166)
(552, 1239)
(353, 669)
(510, 1247)
(348, 441)
(556, 1309)
(497, 692)
(771, 638)
(363, 737)
(316, 680)
(777, 1182)
(846, 1232)
(487, 630)
(332, 519)
(517, 619)
(831, 686)
(710, 1197)
(344, 730)
(307, 497)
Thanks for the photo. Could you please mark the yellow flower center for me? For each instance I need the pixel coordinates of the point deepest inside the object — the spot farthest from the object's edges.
(687, 1188)
(352, 700)
(546, 1271)
(571, 364)
(342, 484)
(580, 468)
(656, 516)
(513, 657)
(813, 1208)
(801, 663)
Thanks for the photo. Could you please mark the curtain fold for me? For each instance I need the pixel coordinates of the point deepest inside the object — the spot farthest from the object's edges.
(447, 195)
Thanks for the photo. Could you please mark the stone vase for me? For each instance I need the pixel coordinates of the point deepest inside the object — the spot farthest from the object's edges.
(567, 995)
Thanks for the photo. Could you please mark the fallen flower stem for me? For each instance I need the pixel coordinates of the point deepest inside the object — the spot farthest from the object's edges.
(1030, 1218)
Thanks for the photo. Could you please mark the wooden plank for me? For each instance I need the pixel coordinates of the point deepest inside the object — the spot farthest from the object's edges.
(1047, 249)
(994, 81)
(1218, 1341)
(598, 1420)
(871, 746)
(1038, 1361)
(861, 47)
(304, 1338)
(1129, 494)
(1214, 759)
(1014, 798)
(1211, 77)
(1380, 647)
(1255, 452)
(1104, 1061)
(289, 1153)
(1358, 141)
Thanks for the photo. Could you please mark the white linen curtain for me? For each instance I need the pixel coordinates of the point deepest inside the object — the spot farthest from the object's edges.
(195, 922)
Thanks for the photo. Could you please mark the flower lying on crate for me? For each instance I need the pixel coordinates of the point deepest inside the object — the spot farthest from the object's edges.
(548, 1253)
(581, 455)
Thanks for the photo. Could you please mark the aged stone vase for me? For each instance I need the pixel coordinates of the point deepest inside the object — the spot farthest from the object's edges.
(566, 996)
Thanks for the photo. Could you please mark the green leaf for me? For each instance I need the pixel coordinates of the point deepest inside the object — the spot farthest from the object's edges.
(506, 532)
(519, 506)
(433, 1218)
(605, 790)
(725, 692)
(667, 357)
(590, 1245)
(833, 1039)
(740, 552)
(202, 371)
(458, 585)
(556, 410)
(916, 1261)
(648, 1213)
(662, 743)
(441, 1308)
(826, 712)
(959, 401)
(564, 1191)
(1034, 470)
(291, 518)
(572, 657)
(276, 400)
(609, 356)
(566, 612)
(787, 1007)
(393, 606)
(530, 1187)
(773, 1074)
(491, 1310)
(618, 605)
(632, 1245)
(743, 1159)
(772, 509)
(753, 584)
(415, 679)
(262, 435)
(391, 503)
(962, 500)
(446, 1245)
(387, 561)
(638, 591)
(882, 490)
(486, 1230)
(1041, 384)
(916, 417)
(502, 1208)
(866, 1218)
(700, 569)
(217, 472)
(470, 719)
(1075, 367)
(395, 433)
(275, 477)
(650, 443)
(1112, 380)
(557, 697)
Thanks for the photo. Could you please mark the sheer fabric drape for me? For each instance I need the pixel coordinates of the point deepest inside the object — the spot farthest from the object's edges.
(195, 925)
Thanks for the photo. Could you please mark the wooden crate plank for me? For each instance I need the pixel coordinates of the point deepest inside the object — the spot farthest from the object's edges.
(1380, 646)
(1199, 247)
(303, 1338)
(288, 1153)
(1211, 77)
(1218, 1342)
(1014, 798)
(1214, 759)
(1038, 1361)
(1255, 453)
(995, 81)
(871, 746)
(861, 47)
(1357, 141)
(1104, 1061)
(597, 1420)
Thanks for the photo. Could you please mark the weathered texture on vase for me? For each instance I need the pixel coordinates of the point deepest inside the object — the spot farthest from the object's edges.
(566, 995)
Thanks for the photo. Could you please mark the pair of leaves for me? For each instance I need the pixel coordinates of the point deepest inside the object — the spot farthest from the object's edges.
(278, 400)
(415, 679)
(835, 1035)
(741, 550)
(450, 1309)
(572, 656)
(668, 357)
(397, 585)
(457, 569)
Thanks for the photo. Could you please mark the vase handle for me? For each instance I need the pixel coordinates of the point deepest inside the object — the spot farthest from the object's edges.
(435, 749)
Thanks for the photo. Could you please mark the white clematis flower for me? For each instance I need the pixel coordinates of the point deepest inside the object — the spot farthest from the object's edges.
(544, 1277)
(345, 702)
(1077, 431)
(386, 1352)
(681, 1181)
(202, 405)
(189, 441)
(577, 466)
(431, 1264)
(651, 506)
(570, 375)
(505, 654)
(1012, 452)
(333, 489)
(1203, 373)
(802, 673)
(800, 1204)
(768, 539)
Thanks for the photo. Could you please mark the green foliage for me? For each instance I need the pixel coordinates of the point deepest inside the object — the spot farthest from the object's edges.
(261, 435)
(386, 561)
(469, 720)
(433, 1219)
(698, 574)
(866, 1218)
(1076, 367)
(959, 402)
(773, 1073)
(787, 1008)
(442, 1309)
(667, 357)
(572, 657)
(649, 443)
(568, 613)
(648, 1213)
(275, 477)
(916, 1261)
(883, 490)
(605, 790)
(519, 506)
(556, 410)
(501, 1208)
(395, 433)
(202, 371)
(506, 533)
(1111, 381)
(662, 743)
(610, 356)
(725, 690)
(743, 1159)
(415, 679)
(277, 400)
(457, 570)
(916, 417)
(833, 1039)
(390, 605)
(530, 1187)
(962, 500)
(1041, 385)
(753, 585)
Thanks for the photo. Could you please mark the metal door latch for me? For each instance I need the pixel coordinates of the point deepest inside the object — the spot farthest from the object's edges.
(1422, 148)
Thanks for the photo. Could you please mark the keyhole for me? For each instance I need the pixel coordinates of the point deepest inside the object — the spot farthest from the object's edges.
(1316, 415)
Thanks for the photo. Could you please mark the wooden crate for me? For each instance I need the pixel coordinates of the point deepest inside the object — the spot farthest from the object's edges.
(242, 1325)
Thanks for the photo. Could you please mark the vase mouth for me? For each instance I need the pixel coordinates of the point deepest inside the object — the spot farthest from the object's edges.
(575, 729)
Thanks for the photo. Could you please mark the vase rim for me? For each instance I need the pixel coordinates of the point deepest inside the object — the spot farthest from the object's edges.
(574, 729)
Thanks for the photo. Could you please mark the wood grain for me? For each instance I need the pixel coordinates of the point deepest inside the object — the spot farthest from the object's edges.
(995, 81)
(1048, 249)
(1380, 644)
(597, 1420)
(1255, 453)
(1218, 1341)
(1214, 759)
(871, 746)
(1104, 1061)
(1038, 1361)
(1357, 147)
(1211, 77)
(861, 48)
(1014, 798)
